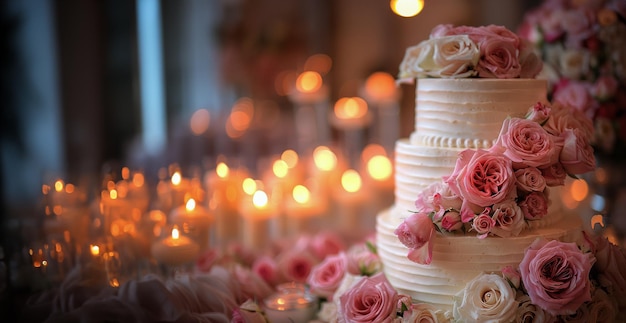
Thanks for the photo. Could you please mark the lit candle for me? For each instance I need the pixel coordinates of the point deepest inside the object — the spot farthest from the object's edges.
(224, 196)
(291, 303)
(114, 208)
(179, 188)
(351, 116)
(175, 250)
(196, 221)
(349, 200)
(310, 98)
(258, 221)
(303, 211)
(381, 93)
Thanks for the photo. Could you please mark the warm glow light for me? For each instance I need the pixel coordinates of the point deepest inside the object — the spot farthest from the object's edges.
(45, 189)
(58, 185)
(259, 199)
(309, 82)
(138, 179)
(175, 233)
(290, 157)
(579, 190)
(190, 205)
(95, 250)
(199, 122)
(597, 219)
(222, 170)
(320, 63)
(301, 194)
(280, 168)
(113, 194)
(351, 181)
(407, 8)
(284, 82)
(350, 108)
(380, 86)
(379, 167)
(176, 179)
(324, 158)
(69, 188)
(372, 150)
(249, 186)
(125, 173)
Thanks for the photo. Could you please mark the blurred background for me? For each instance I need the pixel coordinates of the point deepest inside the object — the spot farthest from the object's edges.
(85, 82)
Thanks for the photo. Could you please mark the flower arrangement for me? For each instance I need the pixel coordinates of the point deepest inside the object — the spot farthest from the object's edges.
(497, 192)
(461, 52)
(583, 48)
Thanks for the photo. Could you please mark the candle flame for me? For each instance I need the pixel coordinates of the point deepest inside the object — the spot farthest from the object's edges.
(95, 250)
(351, 181)
(407, 8)
(222, 170)
(190, 205)
(69, 188)
(301, 194)
(309, 82)
(58, 185)
(176, 179)
(597, 219)
(249, 186)
(259, 199)
(380, 86)
(125, 173)
(379, 167)
(579, 190)
(290, 157)
(138, 179)
(280, 168)
(45, 189)
(113, 194)
(324, 158)
(175, 233)
(350, 108)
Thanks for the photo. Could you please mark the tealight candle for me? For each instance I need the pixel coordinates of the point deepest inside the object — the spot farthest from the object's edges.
(196, 219)
(292, 303)
(224, 196)
(349, 200)
(258, 221)
(310, 98)
(303, 211)
(175, 250)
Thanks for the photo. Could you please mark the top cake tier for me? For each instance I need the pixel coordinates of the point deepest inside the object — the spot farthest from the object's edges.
(468, 113)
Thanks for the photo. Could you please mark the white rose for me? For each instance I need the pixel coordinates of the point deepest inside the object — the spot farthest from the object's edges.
(574, 63)
(328, 312)
(487, 298)
(417, 60)
(529, 312)
(424, 313)
(454, 57)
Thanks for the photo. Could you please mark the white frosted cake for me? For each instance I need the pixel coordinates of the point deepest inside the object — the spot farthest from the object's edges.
(487, 152)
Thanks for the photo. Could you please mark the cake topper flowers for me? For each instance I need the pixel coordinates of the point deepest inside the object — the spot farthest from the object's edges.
(498, 191)
(583, 47)
(461, 52)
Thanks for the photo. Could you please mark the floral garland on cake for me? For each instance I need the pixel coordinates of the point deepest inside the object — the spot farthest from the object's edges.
(464, 51)
(583, 47)
(498, 191)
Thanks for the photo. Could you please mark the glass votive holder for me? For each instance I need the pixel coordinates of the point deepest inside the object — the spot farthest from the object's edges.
(291, 303)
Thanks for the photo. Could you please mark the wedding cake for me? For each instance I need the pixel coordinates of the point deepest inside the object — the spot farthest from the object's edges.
(477, 180)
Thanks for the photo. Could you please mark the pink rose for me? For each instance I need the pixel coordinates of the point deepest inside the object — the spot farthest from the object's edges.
(436, 197)
(509, 219)
(566, 117)
(534, 206)
(205, 261)
(248, 312)
(266, 268)
(295, 265)
(554, 175)
(482, 177)
(249, 284)
(576, 95)
(441, 30)
(372, 299)
(451, 221)
(577, 154)
(512, 275)
(416, 232)
(482, 224)
(499, 59)
(526, 143)
(556, 275)
(578, 25)
(530, 179)
(363, 261)
(611, 268)
(326, 276)
(531, 63)
(539, 112)
(326, 243)
(604, 88)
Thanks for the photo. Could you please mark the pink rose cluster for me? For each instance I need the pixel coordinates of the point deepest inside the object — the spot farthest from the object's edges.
(564, 281)
(583, 48)
(498, 190)
(463, 51)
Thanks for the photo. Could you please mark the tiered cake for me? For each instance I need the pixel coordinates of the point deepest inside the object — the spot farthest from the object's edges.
(475, 178)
